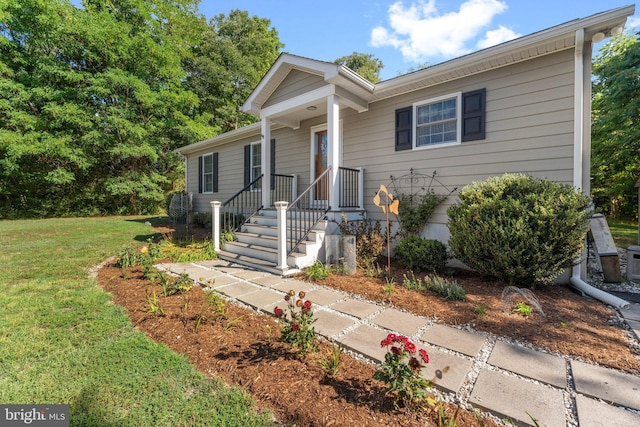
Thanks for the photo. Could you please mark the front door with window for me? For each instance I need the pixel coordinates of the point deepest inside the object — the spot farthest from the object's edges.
(320, 163)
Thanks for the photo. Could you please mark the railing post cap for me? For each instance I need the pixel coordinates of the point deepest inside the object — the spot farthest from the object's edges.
(281, 204)
(215, 203)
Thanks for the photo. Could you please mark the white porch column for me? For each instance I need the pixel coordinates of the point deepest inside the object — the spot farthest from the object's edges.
(281, 221)
(215, 224)
(266, 161)
(333, 148)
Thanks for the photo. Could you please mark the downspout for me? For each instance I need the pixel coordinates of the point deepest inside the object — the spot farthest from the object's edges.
(578, 154)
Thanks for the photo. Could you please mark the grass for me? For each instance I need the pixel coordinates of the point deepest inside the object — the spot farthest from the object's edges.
(624, 232)
(62, 340)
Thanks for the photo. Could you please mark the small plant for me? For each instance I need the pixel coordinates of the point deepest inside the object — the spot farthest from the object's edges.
(523, 309)
(317, 271)
(128, 257)
(480, 309)
(388, 287)
(297, 328)
(330, 361)
(401, 371)
(154, 305)
(370, 240)
(442, 419)
(437, 284)
(374, 270)
(233, 323)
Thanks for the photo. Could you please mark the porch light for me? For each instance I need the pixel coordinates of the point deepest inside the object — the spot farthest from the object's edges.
(312, 108)
(598, 37)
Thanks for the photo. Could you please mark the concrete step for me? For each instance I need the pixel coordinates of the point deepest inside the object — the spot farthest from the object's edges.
(256, 263)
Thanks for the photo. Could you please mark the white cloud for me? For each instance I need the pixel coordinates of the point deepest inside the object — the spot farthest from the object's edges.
(494, 37)
(419, 31)
(633, 22)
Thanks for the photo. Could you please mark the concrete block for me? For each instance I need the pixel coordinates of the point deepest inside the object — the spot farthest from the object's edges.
(455, 339)
(513, 397)
(286, 285)
(238, 289)
(607, 384)
(329, 324)
(357, 308)
(399, 321)
(530, 363)
(262, 298)
(366, 340)
(445, 370)
(594, 413)
(324, 296)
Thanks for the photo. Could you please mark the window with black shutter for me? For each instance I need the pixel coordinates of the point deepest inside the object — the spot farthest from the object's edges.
(473, 115)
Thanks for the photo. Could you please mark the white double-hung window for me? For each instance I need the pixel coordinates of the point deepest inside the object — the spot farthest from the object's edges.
(437, 121)
(207, 173)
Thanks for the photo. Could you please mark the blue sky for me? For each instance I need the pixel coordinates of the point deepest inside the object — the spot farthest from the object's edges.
(407, 33)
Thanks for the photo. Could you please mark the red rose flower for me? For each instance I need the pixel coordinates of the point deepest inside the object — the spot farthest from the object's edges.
(424, 355)
(287, 297)
(295, 327)
(414, 364)
(396, 351)
(278, 312)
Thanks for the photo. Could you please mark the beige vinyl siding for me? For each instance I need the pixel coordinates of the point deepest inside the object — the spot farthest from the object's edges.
(296, 83)
(529, 129)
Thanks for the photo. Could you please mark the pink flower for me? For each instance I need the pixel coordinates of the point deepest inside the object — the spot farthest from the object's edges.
(287, 297)
(424, 355)
(278, 312)
(388, 340)
(409, 346)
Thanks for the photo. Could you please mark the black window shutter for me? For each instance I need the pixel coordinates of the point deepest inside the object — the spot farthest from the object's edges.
(273, 164)
(200, 174)
(404, 128)
(247, 165)
(473, 115)
(215, 172)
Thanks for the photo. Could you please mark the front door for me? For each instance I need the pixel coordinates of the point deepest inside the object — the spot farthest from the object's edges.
(320, 164)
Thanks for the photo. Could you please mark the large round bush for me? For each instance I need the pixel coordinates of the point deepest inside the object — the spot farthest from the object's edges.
(418, 254)
(518, 228)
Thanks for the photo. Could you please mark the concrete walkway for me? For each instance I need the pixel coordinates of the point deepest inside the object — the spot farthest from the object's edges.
(481, 370)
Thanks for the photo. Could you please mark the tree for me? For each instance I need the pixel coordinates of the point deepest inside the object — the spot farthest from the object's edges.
(367, 65)
(229, 60)
(615, 165)
(94, 100)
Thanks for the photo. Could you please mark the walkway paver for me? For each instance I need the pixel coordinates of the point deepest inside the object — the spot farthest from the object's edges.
(594, 413)
(454, 339)
(514, 380)
(357, 308)
(607, 384)
(399, 321)
(513, 397)
(530, 363)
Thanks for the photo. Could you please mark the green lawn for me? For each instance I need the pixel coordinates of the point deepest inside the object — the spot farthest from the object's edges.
(62, 340)
(624, 232)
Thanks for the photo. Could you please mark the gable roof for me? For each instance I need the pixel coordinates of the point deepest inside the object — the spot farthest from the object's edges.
(551, 40)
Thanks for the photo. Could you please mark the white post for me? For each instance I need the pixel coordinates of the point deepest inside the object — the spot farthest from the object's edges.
(281, 210)
(266, 162)
(333, 149)
(215, 224)
(360, 188)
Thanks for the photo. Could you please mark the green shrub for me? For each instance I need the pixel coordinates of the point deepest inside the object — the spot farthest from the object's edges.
(443, 287)
(418, 254)
(370, 239)
(317, 271)
(202, 219)
(518, 228)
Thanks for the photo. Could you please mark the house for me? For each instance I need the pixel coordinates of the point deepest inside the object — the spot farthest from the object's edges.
(327, 138)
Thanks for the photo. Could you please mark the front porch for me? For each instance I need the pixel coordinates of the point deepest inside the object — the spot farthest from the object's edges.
(287, 235)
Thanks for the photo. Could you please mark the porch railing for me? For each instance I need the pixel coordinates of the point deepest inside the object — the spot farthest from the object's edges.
(350, 187)
(307, 210)
(283, 188)
(239, 208)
